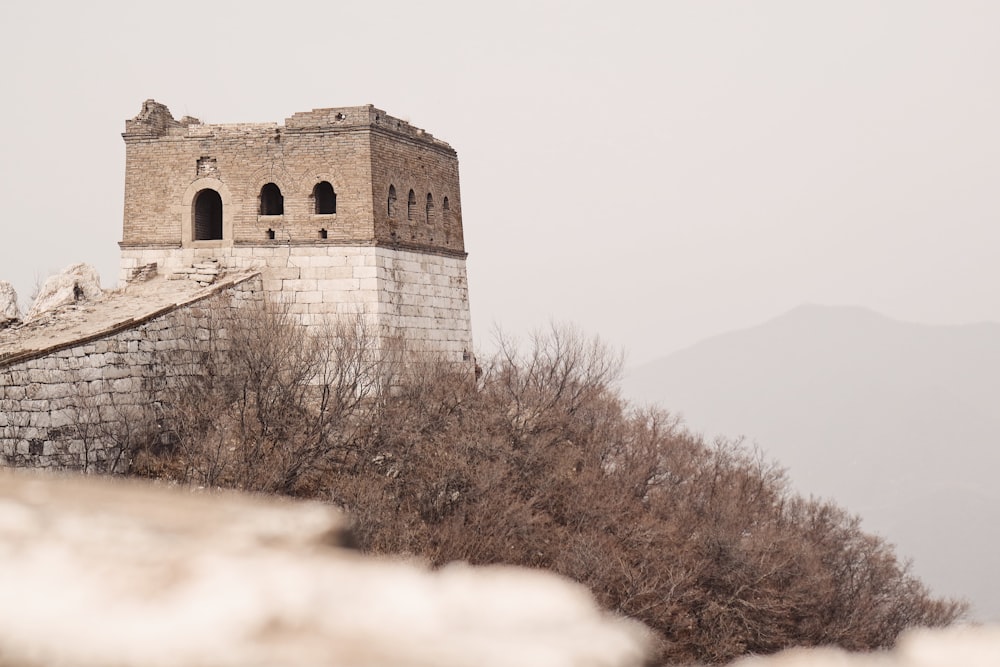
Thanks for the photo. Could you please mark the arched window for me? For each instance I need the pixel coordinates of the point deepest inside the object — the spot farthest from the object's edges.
(207, 215)
(446, 208)
(429, 209)
(391, 203)
(324, 198)
(271, 201)
(411, 206)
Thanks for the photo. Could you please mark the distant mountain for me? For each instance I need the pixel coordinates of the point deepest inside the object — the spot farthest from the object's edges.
(897, 422)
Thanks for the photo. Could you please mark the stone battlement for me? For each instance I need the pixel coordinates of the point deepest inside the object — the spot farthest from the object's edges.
(321, 120)
(155, 122)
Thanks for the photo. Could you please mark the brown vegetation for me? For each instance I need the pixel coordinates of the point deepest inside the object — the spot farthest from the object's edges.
(538, 463)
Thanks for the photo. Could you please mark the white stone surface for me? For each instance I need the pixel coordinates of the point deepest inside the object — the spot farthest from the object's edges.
(76, 283)
(103, 573)
(9, 312)
(420, 297)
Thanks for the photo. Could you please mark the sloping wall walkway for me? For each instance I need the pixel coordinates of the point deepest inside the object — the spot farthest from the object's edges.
(72, 390)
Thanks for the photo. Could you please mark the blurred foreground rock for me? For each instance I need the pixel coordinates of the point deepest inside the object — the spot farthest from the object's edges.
(962, 646)
(76, 283)
(106, 572)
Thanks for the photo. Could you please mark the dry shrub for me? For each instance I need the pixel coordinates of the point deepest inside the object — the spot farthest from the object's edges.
(263, 405)
(540, 463)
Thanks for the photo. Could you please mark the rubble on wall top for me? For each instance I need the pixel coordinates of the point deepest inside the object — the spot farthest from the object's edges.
(155, 120)
(76, 284)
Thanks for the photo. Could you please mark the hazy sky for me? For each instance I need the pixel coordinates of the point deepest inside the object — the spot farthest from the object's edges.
(655, 172)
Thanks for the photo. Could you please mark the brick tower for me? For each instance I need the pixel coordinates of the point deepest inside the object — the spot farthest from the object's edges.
(344, 211)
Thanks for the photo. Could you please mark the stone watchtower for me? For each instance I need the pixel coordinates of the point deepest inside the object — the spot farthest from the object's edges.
(344, 211)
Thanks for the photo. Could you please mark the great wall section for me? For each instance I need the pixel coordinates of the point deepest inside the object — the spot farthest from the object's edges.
(338, 213)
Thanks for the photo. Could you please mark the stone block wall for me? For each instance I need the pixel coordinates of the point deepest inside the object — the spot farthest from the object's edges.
(419, 297)
(425, 299)
(74, 406)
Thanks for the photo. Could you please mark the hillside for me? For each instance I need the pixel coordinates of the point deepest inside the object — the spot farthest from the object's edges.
(895, 421)
(535, 462)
